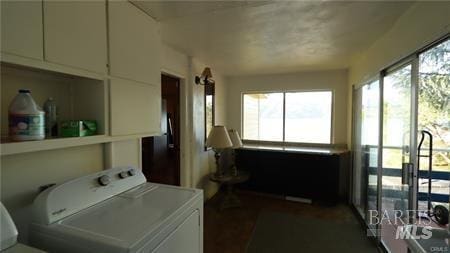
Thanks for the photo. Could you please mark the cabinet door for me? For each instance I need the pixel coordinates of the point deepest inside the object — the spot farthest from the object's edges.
(134, 44)
(75, 34)
(22, 28)
(135, 108)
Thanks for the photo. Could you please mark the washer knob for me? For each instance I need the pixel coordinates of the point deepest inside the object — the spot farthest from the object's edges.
(104, 180)
(123, 174)
(131, 172)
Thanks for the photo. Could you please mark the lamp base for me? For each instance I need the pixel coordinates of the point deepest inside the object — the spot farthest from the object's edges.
(234, 171)
(219, 172)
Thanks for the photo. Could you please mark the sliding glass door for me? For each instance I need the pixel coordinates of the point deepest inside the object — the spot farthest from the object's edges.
(367, 120)
(397, 162)
(383, 159)
(401, 145)
(434, 125)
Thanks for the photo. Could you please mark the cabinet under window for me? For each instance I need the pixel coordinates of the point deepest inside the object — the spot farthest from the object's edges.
(303, 116)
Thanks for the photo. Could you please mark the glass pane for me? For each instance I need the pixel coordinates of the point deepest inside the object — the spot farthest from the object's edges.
(209, 113)
(308, 117)
(369, 144)
(359, 179)
(434, 117)
(365, 159)
(263, 116)
(396, 151)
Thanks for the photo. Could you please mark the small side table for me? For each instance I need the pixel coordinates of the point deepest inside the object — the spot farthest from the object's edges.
(230, 199)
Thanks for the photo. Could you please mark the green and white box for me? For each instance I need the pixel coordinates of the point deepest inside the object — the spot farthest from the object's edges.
(78, 128)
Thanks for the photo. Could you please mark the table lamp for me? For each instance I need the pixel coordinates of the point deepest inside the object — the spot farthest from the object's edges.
(237, 143)
(218, 140)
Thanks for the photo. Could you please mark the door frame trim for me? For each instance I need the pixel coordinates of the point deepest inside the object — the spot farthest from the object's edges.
(185, 162)
(412, 60)
(414, 134)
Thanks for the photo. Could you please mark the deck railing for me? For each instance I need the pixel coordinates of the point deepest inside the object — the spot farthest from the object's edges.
(397, 172)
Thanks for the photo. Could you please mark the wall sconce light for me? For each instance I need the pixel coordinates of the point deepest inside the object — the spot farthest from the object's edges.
(205, 78)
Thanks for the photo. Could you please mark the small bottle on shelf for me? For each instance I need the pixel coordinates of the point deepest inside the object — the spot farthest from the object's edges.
(51, 118)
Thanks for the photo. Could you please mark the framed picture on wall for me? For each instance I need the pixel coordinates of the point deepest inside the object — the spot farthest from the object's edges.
(209, 110)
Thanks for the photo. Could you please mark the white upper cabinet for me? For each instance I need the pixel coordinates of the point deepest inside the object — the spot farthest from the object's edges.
(134, 44)
(135, 108)
(21, 24)
(75, 34)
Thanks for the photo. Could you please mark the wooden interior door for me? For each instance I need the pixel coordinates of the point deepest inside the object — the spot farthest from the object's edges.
(161, 154)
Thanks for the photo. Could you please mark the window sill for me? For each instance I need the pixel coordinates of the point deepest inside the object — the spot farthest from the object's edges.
(310, 148)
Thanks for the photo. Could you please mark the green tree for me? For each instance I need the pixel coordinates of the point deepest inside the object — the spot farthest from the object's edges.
(434, 98)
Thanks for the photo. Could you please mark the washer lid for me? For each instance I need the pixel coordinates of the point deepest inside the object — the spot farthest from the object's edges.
(129, 217)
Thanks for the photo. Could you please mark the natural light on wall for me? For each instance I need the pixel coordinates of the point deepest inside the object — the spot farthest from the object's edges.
(306, 119)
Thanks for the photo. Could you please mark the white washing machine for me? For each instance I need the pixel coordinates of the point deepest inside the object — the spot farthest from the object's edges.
(116, 210)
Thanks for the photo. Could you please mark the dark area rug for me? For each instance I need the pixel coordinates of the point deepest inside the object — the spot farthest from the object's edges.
(287, 233)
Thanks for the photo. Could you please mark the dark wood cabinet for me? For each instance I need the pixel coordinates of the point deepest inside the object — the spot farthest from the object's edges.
(319, 176)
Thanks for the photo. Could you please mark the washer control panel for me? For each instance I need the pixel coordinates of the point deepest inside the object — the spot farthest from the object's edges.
(105, 180)
(54, 203)
(129, 172)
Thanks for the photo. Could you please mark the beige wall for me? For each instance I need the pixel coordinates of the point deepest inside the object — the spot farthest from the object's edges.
(174, 62)
(335, 80)
(21, 176)
(421, 24)
(123, 153)
(203, 161)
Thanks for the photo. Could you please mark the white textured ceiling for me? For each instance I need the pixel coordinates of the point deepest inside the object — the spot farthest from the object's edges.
(254, 37)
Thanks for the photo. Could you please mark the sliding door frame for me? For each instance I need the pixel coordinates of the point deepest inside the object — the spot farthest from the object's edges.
(380, 151)
(414, 128)
(355, 101)
(411, 61)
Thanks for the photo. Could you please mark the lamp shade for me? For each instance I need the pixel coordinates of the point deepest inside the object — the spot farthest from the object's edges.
(235, 138)
(218, 138)
(207, 73)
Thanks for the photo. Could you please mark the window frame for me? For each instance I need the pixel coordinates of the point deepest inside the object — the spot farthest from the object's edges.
(332, 121)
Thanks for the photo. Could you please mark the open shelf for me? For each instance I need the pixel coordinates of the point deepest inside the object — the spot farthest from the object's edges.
(77, 98)
(11, 148)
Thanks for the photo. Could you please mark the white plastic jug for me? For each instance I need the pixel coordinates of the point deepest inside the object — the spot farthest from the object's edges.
(26, 118)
